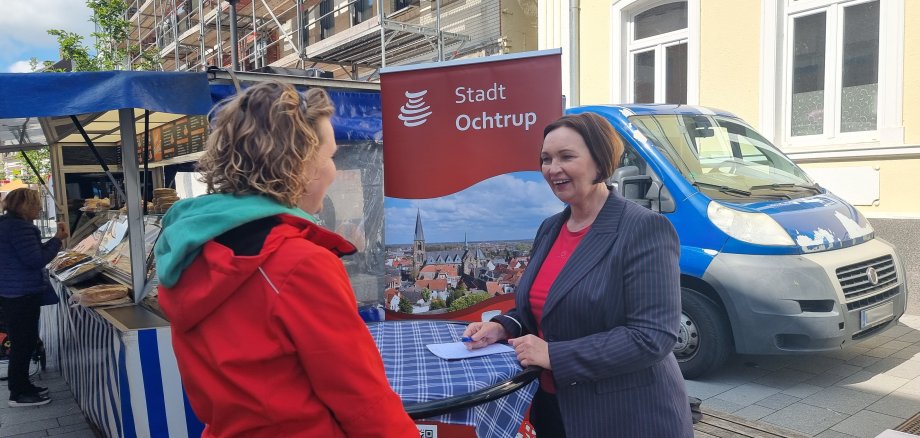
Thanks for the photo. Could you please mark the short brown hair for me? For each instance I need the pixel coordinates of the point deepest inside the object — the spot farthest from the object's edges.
(262, 140)
(19, 201)
(603, 142)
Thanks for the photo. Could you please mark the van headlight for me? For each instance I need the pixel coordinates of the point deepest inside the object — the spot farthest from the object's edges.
(756, 228)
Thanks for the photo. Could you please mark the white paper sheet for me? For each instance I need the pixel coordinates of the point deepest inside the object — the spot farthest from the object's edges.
(457, 350)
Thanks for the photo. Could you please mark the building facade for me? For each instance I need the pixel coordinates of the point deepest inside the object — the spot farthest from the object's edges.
(344, 38)
(835, 84)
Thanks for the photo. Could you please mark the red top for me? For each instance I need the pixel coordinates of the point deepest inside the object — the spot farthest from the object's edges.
(272, 345)
(562, 249)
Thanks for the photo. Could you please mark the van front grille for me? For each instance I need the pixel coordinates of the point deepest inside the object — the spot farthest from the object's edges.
(865, 279)
(862, 303)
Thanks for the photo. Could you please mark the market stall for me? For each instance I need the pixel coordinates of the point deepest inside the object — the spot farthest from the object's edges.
(109, 338)
(110, 357)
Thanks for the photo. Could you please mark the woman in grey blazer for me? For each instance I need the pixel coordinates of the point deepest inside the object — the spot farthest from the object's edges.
(598, 306)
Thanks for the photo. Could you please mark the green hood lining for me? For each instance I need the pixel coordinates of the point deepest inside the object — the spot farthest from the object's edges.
(191, 223)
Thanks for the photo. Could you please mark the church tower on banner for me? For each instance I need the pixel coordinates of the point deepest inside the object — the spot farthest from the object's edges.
(418, 246)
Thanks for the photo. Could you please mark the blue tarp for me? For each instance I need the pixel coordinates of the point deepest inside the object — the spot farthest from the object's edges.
(65, 94)
(357, 113)
(357, 116)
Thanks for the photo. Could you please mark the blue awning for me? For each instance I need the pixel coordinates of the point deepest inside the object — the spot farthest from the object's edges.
(357, 112)
(65, 94)
(25, 97)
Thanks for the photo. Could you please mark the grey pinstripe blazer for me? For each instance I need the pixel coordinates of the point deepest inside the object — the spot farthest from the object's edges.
(611, 321)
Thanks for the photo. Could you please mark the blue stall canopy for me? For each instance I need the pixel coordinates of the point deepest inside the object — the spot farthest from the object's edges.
(65, 94)
(358, 110)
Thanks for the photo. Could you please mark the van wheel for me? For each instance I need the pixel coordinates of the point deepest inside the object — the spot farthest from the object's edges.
(704, 340)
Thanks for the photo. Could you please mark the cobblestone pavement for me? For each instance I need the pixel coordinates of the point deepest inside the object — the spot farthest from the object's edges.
(856, 392)
(62, 417)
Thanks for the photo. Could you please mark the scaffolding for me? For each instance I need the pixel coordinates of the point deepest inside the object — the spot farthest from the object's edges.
(329, 38)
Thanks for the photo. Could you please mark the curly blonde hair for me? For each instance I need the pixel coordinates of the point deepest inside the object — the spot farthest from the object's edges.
(262, 141)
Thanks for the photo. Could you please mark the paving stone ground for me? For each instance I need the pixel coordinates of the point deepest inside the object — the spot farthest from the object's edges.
(856, 392)
(60, 418)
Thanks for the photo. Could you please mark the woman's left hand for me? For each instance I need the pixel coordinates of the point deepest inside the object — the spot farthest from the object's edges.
(531, 350)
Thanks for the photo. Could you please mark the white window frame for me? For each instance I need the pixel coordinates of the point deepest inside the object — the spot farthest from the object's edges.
(622, 16)
(776, 61)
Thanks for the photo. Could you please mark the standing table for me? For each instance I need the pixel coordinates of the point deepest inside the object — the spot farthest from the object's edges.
(491, 393)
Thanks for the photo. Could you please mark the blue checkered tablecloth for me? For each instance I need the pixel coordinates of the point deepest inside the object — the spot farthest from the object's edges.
(417, 375)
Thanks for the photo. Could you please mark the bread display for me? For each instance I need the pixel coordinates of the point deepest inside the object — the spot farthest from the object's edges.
(163, 199)
(103, 294)
(66, 261)
(163, 192)
(95, 204)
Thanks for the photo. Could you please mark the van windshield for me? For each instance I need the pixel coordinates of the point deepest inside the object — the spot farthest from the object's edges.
(724, 157)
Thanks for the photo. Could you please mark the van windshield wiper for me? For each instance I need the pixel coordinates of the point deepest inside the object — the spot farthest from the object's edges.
(721, 188)
(788, 186)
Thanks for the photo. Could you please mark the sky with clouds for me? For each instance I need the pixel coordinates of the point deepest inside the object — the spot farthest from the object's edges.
(505, 207)
(24, 25)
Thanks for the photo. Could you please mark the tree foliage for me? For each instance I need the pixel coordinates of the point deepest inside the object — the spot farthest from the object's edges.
(72, 48)
(437, 303)
(453, 295)
(404, 305)
(468, 300)
(41, 158)
(113, 50)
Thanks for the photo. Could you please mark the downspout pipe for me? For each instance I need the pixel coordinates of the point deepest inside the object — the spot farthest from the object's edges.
(234, 38)
(574, 55)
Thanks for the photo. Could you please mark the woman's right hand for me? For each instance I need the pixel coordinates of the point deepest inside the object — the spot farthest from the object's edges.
(483, 334)
(62, 231)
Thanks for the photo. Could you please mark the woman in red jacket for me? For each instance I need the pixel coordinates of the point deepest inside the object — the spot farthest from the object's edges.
(264, 321)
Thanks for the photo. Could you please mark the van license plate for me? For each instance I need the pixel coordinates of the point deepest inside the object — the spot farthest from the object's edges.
(875, 315)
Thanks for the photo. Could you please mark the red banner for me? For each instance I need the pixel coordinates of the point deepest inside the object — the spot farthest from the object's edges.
(450, 125)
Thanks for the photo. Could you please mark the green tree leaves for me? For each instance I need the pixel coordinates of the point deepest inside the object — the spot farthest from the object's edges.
(113, 50)
(468, 300)
(404, 305)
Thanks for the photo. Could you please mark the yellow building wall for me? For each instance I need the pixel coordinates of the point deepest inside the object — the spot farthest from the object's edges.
(896, 177)
(730, 57)
(595, 51)
(912, 72)
(519, 26)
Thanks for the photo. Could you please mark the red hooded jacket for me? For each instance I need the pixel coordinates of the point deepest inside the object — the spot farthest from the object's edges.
(283, 354)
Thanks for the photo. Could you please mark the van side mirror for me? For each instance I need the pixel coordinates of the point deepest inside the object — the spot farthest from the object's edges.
(645, 191)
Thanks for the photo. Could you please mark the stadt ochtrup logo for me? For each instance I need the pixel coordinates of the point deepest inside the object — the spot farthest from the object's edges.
(415, 112)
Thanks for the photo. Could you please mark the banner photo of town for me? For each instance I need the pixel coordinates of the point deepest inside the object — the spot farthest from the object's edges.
(463, 193)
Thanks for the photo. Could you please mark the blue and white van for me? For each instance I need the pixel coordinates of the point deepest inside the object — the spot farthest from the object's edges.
(771, 262)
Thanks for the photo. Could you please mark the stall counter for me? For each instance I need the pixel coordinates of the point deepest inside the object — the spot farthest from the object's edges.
(121, 368)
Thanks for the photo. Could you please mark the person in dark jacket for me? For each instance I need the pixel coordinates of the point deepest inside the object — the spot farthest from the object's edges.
(23, 257)
(598, 307)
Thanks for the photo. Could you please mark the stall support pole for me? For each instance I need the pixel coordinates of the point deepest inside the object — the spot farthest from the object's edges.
(381, 17)
(133, 198)
(234, 39)
(146, 158)
(60, 188)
